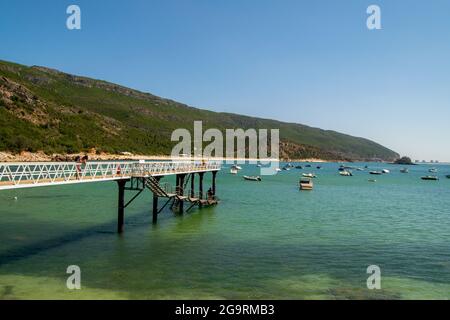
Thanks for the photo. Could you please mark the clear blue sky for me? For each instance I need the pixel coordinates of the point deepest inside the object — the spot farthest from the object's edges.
(312, 62)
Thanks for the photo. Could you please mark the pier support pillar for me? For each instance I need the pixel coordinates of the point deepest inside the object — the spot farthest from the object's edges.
(155, 205)
(180, 191)
(121, 205)
(214, 173)
(192, 185)
(200, 184)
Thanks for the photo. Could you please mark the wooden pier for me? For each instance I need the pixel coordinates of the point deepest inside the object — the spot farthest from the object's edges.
(130, 176)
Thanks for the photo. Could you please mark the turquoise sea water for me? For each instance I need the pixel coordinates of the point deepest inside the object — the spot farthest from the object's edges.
(265, 240)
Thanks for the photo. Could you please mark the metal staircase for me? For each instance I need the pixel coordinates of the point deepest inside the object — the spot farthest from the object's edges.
(153, 184)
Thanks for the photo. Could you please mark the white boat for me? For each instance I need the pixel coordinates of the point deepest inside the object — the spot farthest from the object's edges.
(372, 180)
(385, 171)
(433, 170)
(233, 171)
(252, 178)
(306, 184)
(404, 170)
(376, 172)
(277, 169)
(309, 175)
(236, 167)
(346, 173)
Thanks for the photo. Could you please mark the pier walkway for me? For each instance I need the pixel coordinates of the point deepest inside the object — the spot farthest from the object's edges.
(134, 176)
(38, 174)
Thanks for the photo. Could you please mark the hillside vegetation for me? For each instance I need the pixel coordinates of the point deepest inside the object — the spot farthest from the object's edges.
(46, 110)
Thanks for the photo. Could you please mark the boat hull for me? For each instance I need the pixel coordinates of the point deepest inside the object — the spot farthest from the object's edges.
(252, 178)
(430, 178)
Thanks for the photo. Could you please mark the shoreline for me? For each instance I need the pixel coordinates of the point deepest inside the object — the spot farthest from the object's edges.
(42, 157)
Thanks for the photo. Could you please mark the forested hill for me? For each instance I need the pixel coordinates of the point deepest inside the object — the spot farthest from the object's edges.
(44, 109)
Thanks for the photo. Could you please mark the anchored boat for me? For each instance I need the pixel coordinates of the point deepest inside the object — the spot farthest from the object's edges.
(309, 175)
(252, 178)
(306, 184)
(433, 178)
(376, 172)
(346, 173)
(404, 170)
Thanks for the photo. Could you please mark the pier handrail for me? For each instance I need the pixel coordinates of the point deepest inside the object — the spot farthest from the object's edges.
(28, 174)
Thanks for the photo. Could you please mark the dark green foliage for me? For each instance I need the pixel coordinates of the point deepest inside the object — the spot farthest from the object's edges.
(404, 160)
(84, 113)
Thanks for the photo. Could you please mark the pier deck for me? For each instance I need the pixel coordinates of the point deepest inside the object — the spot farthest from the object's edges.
(37, 174)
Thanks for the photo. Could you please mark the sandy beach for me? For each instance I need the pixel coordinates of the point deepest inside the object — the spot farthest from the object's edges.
(42, 157)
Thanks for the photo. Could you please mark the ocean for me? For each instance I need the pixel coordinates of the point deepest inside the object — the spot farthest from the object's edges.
(265, 240)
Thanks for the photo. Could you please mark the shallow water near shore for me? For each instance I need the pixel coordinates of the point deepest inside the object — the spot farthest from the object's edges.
(265, 240)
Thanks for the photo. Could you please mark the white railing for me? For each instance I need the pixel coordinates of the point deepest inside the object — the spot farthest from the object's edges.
(29, 174)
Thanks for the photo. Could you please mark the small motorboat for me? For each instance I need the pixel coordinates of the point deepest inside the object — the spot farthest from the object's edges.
(319, 167)
(298, 167)
(277, 169)
(404, 170)
(234, 166)
(376, 172)
(342, 168)
(433, 170)
(432, 178)
(233, 171)
(308, 166)
(306, 184)
(385, 171)
(448, 176)
(252, 178)
(359, 169)
(372, 180)
(309, 175)
(258, 165)
(346, 173)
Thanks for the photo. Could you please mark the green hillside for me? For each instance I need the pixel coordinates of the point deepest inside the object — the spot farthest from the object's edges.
(44, 109)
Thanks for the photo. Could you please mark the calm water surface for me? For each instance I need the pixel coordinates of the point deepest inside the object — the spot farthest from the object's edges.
(266, 240)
